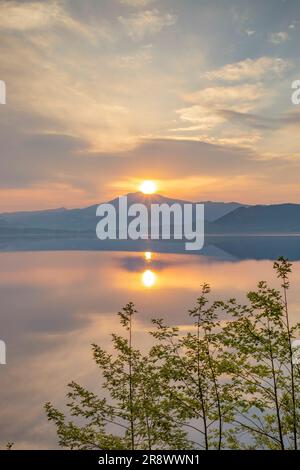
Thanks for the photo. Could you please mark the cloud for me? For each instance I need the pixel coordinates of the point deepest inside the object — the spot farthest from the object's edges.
(137, 3)
(279, 38)
(30, 16)
(78, 103)
(256, 121)
(36, 18)
(238, 97)
(249, 69)
(74, 94)
(214, 111)
(27, 16)
(57, 171)
(204, 118)
(137, 60)
(146, 23)
(250, 120)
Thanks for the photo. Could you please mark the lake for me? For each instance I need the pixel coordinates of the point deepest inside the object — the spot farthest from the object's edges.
(54, 304)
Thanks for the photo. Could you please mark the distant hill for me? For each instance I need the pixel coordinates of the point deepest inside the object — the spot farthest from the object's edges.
(271, 219)
(85, 219)
(221, 218)
(241, 233)
(213, 210)
(216, 210)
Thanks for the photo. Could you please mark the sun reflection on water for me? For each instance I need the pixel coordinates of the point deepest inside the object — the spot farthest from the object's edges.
(148, 278)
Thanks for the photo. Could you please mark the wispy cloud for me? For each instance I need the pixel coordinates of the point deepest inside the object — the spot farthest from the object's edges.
(146, 23)
(239, 97)
(16, 16)
(28, 16)
(137, 3)
(262, 122)
(204, 118)
(211, 113)
(36, 17)
(249, 69)
(137, 60)
(279, 38)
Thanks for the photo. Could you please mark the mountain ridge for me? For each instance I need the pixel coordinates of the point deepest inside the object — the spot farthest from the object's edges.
(273, 218)
(85, 217)
(220, 217)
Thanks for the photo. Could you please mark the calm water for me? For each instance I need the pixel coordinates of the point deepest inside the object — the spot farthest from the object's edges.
(55, 304)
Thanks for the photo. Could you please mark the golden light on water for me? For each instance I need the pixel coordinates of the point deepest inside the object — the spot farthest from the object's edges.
(148, 278)
(148, 187)
(148, 256)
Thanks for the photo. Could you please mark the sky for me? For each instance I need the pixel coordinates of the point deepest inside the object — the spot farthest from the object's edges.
(193, 94)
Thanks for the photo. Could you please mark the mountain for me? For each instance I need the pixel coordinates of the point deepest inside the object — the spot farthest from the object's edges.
(213, 210)
(221, 218)
(216, 210)
(271, 219)
(241, 233)
(85, 220)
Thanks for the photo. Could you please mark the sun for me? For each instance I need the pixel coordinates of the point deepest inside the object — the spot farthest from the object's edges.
(148, 187)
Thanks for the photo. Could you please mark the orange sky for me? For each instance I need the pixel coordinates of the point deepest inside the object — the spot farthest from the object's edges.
(103, 95)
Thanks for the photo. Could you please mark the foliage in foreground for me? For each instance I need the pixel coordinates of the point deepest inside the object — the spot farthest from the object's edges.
(230, 382)
(8, 446)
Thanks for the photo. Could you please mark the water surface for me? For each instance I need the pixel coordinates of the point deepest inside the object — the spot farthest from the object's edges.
(55, 304)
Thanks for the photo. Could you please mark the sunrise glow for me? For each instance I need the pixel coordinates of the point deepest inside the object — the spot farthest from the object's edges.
(148, 187)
